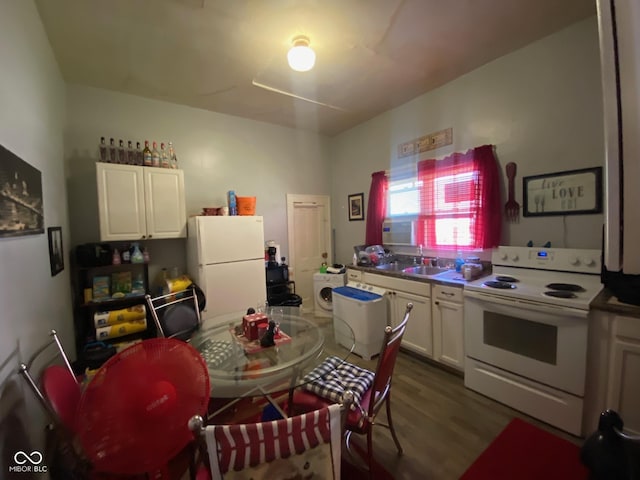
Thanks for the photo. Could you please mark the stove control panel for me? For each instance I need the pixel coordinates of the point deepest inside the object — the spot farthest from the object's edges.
(562, 259)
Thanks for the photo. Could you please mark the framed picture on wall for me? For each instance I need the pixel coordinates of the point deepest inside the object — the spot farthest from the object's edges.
(21, 208)
(56, 258)
(571, 192)
(356, 206)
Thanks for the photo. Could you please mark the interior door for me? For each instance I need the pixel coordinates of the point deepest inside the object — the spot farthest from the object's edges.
(309, 231)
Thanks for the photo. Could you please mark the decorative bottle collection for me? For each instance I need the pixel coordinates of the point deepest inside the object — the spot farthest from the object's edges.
(112, 153)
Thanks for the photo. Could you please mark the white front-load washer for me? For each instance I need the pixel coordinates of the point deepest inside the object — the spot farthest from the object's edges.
(323, 285)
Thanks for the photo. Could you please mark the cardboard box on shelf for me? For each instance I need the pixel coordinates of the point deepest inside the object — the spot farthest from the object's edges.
(120, 329)
(113, 317)
(101, 290)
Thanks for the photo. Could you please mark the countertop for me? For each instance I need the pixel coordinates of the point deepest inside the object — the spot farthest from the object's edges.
(604, 301)
(607, 302)
(451, 278)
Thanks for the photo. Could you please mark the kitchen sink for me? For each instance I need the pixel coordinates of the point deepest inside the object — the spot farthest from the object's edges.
(392, 267)
(426, 270)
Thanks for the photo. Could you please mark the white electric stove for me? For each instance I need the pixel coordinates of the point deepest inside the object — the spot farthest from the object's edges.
(568, 278)
(526, 329)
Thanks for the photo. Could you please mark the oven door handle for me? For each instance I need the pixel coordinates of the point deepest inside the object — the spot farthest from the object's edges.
(535, 306)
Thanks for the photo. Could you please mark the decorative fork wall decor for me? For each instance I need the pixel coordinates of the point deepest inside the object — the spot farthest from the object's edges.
(512, 208)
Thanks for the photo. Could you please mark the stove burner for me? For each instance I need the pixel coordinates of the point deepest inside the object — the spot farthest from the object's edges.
(501, 285)
(506, 278)
(565, 287)
(560, 294)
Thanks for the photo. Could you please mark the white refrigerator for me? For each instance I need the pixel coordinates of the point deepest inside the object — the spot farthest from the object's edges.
(619, 24)
(225, 257)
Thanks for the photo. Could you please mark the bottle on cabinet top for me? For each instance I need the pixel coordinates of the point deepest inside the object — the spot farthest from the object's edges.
(103, 150)
(139, 155)
(131, 153)
(146, 155)
(155, 155)
(164, 158)
(126, 154)
(113, 151)
(121, 152)
(173, 159)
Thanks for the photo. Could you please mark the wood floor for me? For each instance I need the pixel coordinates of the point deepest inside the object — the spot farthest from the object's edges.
(442, 426)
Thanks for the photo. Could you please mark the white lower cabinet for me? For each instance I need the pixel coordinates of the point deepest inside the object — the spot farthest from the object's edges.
(613, 370)
(418, 336)
(448, 326)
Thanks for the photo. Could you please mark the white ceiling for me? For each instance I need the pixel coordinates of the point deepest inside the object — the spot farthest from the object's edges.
(372, 55)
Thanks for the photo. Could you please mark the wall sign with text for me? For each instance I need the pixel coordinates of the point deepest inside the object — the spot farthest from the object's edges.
(571, 192)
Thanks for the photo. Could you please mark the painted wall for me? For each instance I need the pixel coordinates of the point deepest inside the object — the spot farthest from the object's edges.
(217, 153)
(540, 106)
(32, 95)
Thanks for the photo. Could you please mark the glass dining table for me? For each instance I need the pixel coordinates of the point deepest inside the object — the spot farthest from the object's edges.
(240, 368)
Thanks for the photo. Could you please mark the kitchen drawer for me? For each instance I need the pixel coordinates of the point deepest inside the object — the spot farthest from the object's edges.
(392, 283)
(450, 294)
(354, 275)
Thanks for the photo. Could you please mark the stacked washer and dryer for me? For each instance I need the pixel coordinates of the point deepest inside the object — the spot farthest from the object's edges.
(323, 285)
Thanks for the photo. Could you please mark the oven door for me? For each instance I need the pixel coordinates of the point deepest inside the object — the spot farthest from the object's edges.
(541, 342)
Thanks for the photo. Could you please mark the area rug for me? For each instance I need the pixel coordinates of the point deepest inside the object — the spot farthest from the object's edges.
(525, 452)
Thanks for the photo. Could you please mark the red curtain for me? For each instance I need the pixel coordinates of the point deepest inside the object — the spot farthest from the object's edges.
(377, 208)
(462, 186)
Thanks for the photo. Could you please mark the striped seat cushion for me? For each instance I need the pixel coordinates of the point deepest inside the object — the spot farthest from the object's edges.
(334, 376)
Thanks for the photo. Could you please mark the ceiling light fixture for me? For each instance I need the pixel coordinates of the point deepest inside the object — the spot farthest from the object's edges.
(301, 58)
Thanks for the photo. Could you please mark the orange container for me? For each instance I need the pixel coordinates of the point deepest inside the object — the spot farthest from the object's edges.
(246, 205)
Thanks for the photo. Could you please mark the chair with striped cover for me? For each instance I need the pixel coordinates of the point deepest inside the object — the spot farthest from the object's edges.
(304, 446)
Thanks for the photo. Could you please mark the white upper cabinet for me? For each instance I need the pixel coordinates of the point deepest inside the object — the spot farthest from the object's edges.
(140, 203)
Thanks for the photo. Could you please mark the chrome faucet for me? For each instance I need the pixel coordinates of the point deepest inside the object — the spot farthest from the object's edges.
(419, 252)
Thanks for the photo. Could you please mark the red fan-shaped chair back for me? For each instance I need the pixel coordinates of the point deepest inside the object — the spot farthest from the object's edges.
(133, 415)
(62, 392)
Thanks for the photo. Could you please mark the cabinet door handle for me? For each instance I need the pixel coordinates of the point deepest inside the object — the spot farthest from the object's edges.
(448, 294)
(437, 303)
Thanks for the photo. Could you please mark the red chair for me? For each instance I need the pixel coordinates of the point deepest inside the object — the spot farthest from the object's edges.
(58, 390)
(49, 374)
(362, 419)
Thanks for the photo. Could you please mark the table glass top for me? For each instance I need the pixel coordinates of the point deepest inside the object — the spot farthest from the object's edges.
(239, 366)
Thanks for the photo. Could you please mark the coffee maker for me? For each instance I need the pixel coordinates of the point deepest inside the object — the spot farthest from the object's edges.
(272, 257)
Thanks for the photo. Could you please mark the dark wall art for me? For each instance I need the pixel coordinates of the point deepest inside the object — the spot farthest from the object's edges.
(571, 192)
(56, 258)
(356, 206)
(21, 209)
